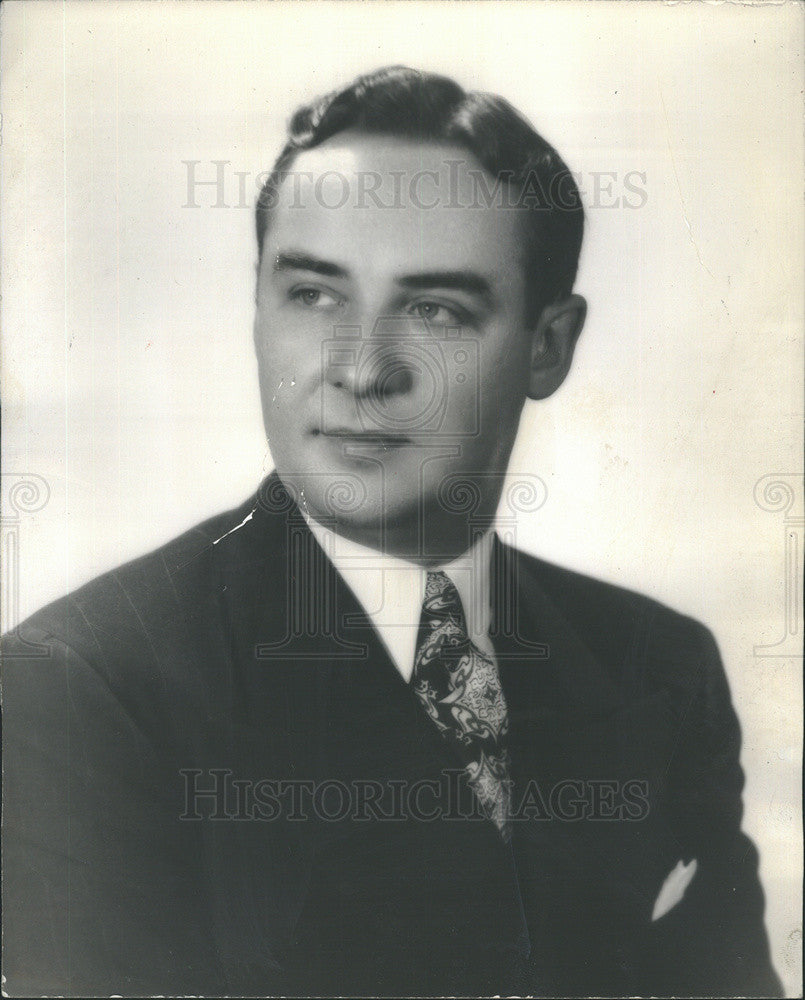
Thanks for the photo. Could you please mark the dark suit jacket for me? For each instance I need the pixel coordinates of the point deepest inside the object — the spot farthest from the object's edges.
(240, 655)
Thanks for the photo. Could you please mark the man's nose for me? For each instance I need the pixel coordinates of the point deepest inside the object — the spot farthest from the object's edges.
(376, 366)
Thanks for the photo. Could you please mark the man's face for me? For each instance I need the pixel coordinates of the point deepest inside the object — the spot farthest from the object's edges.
(391, 333)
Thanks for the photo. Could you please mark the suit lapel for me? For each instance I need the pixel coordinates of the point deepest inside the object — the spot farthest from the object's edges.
(546, 668)
(311, 693)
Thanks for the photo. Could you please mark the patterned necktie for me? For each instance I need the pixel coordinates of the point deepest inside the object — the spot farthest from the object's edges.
(459, 689)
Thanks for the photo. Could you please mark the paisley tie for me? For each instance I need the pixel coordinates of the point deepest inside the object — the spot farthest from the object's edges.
(459, 688)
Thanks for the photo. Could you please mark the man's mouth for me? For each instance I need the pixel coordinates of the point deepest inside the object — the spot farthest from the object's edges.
(378, 439)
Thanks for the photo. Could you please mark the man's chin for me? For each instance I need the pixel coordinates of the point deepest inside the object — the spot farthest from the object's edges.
(345, 511)
(355, 507)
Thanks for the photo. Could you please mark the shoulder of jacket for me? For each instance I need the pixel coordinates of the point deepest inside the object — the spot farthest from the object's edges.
(604, 605)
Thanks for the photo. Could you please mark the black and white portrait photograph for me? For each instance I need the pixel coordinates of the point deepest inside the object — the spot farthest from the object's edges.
(402, 498)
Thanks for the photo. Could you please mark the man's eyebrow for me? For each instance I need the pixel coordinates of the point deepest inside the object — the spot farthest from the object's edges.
(461, 281)
(293, 260)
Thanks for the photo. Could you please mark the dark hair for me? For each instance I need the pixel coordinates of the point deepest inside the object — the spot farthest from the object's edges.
(403, 102)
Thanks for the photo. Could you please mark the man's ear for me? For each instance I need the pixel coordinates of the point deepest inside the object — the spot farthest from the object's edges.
(553, 341)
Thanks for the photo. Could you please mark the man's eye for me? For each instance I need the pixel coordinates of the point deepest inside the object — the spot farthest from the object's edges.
(436, 313)
(314, 298)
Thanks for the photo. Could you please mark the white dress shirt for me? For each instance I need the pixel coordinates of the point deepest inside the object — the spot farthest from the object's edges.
(391, 590)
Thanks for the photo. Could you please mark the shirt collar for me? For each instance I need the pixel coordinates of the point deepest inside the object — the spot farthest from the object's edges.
(391, 590)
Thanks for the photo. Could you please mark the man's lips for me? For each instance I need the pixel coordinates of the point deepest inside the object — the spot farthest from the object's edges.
(379, 438)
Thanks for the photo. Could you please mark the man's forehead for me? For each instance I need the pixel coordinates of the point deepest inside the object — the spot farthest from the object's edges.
(397, 199)
(362, 158)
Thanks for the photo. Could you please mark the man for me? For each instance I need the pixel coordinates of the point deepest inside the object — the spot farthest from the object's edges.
(343, 740)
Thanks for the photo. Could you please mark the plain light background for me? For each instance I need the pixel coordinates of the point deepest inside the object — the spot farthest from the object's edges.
(128, 377)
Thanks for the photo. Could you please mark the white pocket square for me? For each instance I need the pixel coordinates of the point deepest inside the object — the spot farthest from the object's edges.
(674, 887)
